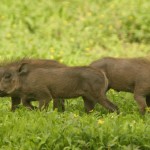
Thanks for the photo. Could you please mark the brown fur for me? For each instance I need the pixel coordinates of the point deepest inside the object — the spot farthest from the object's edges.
(32, 64)
(67, 82)
(129, 75)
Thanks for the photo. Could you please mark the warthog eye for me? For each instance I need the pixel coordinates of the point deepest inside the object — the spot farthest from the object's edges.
(7, 76)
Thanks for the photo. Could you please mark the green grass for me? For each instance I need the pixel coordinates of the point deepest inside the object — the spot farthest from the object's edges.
(75, 32)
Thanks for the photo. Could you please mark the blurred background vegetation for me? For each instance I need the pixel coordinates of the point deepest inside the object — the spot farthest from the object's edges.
(74, 32)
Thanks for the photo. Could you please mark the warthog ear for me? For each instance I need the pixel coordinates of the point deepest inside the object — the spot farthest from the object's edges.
(23, 69)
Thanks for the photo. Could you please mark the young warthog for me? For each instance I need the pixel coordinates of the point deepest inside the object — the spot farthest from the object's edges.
(68, 82)
(130, 75)
(32, 64)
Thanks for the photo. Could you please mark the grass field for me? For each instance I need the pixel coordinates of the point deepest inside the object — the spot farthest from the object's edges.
(75, 32)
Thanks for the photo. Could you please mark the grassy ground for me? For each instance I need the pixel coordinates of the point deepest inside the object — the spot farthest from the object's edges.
(76, 33)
